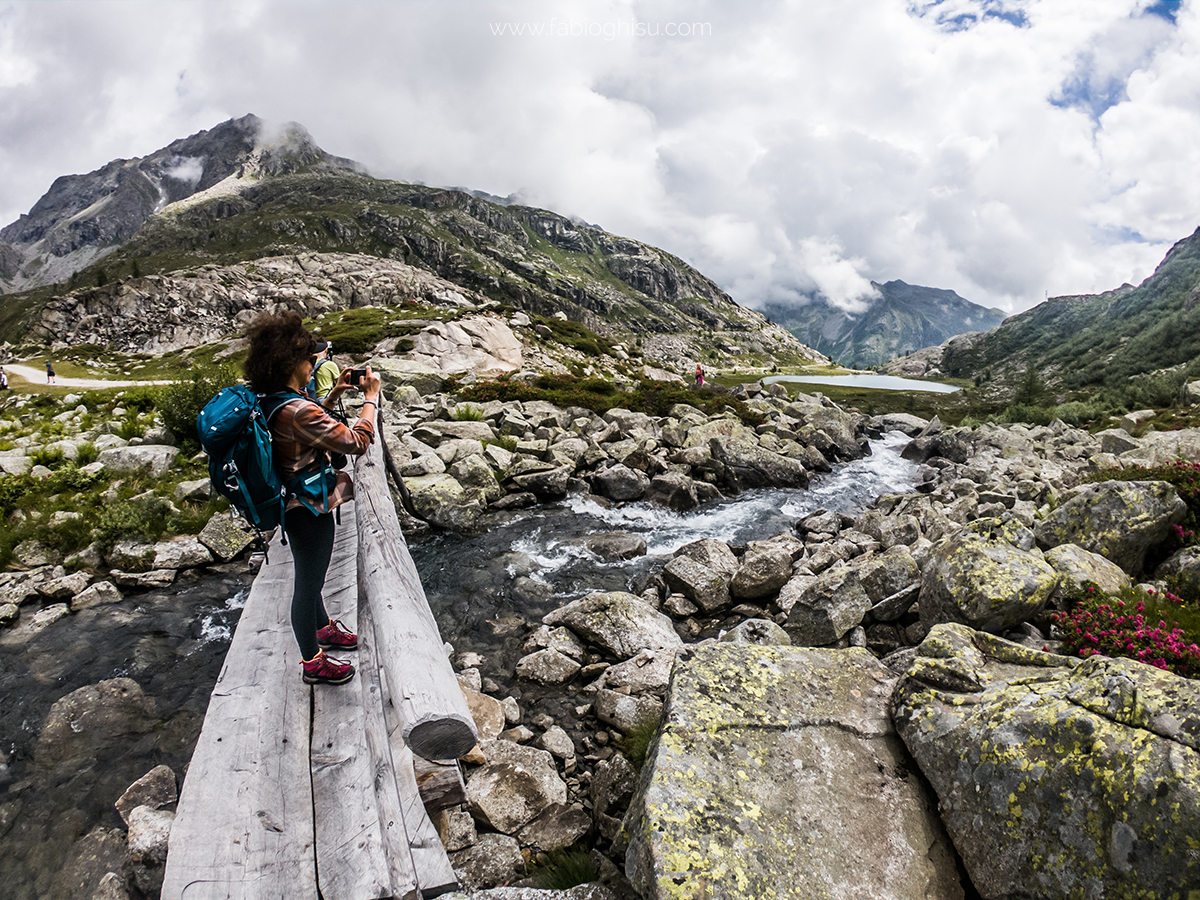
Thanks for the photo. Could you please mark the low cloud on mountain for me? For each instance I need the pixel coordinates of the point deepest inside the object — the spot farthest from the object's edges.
(1004, 150)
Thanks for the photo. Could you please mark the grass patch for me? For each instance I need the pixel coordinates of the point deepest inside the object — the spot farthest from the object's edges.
(636, 742)
(566, 868)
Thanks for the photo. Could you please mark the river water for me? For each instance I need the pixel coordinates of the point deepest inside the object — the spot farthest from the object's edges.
(483, 589)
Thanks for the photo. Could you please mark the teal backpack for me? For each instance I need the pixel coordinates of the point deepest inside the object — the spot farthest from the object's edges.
(233, 430)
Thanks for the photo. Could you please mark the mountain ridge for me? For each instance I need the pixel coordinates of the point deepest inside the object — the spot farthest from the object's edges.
(82, 218)
(904, 318)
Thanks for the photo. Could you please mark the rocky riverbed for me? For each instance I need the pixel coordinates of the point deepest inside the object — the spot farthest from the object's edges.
(943, 585)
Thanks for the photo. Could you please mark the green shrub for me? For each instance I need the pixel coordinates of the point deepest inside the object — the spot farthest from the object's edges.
(566, 868)
(181, 402)
(142, 399)
(51, 458)
(87, 454)
(145, 518)
(466, 413)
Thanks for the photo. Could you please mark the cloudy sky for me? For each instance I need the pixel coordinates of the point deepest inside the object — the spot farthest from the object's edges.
(1004, 149)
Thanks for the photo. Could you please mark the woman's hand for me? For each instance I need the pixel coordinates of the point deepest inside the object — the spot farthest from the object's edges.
(370, 386)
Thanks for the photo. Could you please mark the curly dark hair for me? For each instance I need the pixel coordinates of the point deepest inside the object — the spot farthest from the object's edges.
(277, 345)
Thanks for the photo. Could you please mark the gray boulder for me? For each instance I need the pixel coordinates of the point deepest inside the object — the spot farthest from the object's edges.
(983, 582)
(748, 465)
(549, 667)
(1054, 778)
(149, 459)
(110, 713)
(764, 570)
(761, 632)
(440, 500)
(612, 546)
(625, 712)
(1183, 565)
(829, 804)
(1079, 567)
(1120, 520)
(649, 670)
(493, 859)
(825, 608)
(706, 588)
(621, 623)
(515, 786)
(712, 553)
(887, 573)
(619, 482)
(674, 491)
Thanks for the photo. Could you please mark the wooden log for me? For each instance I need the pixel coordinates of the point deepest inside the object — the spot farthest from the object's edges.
(244, 826)
(440, 782)
(435, 875)
(436, 721)
(351, 862)
(401, 867)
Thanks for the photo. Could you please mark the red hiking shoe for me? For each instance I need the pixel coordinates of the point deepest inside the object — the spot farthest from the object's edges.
(322, 669)
(334, 636)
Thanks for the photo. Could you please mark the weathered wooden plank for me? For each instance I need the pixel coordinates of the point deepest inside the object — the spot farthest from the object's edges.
(394, 835)
(435, 875)
(440, 782)
(436, 721)
(244, 827)
(351, 863)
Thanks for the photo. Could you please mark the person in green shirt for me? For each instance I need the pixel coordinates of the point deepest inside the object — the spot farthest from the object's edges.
(326, 372)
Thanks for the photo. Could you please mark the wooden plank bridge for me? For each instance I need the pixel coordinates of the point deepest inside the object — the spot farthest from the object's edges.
(296, 792)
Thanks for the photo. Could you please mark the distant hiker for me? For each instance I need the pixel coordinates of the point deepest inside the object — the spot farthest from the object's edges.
(281, 360)
(3, 379)
(699, 375)
(325, 374)
(49, 373)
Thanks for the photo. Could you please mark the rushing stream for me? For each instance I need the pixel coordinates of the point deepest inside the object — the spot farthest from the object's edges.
(483, 589)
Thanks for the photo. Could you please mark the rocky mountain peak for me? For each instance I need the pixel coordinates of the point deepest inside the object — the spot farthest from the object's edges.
(82, 218)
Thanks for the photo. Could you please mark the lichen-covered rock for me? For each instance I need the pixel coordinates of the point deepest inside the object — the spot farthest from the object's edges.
(1057, 779)
(1120, 520)
(225, 536)
(625, 712)
(983, 582)
(441, 501)
(1079, 567)
(777, 773)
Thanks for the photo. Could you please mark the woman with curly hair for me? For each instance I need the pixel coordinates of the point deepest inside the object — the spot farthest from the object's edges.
(304, 434)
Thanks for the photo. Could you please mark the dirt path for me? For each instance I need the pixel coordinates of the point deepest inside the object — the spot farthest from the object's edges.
(38, 376)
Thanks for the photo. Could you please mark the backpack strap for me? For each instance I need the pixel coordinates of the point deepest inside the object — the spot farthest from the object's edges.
(271, 404)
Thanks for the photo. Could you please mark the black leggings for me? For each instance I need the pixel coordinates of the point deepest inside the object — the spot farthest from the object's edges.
(311, 540)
